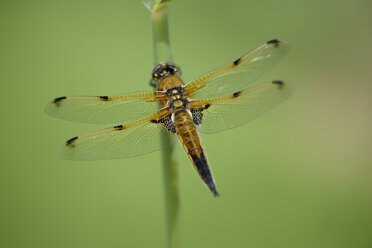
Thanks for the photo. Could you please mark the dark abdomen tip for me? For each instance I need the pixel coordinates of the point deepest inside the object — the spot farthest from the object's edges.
(205, 172)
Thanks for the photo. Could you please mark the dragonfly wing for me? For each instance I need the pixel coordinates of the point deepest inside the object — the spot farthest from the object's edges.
(132, 139)
(240, 74)
(105, 109)
(218, 114)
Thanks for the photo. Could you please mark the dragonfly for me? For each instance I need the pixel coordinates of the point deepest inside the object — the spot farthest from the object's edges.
(216, 101)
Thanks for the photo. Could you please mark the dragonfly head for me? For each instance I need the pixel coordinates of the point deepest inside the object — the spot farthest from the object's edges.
(163, 70)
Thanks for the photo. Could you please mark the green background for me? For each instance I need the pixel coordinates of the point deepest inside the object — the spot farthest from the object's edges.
(299, 176)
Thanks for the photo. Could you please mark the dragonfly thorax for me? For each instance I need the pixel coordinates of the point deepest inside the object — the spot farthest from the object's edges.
(176, 98)
(175, 105)
(175, 93)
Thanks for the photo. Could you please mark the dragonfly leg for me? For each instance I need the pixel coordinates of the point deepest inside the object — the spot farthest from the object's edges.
(153, 83)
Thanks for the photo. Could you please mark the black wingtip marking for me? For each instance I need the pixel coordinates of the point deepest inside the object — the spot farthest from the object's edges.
(58, 99)
(154, 121)
(236, 94)
(206, 106)
(237, 62)
(119, 127)
(275, 42)
(104, 98)
(278, 82)
(69, 142)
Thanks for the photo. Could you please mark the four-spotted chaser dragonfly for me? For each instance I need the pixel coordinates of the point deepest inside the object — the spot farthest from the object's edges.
(222, 99)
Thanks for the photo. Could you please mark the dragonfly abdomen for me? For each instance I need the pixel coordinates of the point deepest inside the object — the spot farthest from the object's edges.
(189, 137)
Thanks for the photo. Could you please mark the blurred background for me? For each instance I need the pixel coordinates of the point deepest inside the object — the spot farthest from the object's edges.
(299, 176)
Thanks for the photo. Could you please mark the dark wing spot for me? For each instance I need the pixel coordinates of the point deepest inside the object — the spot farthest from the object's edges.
(68, 142)
(275, 42)
(280, 83)
(197, 115)
(206, 106)
(58, 99)
(168, 123)
(154, 121)
(104, 98)
(237, 62)
(119, 127)
(236, 94)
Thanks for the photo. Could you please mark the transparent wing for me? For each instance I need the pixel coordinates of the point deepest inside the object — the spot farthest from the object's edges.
(132, 139)
(236, 109)
(240, 74)
(105, 109)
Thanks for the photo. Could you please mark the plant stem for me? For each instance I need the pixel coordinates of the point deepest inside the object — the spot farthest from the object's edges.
(161, 44)
(162, 53)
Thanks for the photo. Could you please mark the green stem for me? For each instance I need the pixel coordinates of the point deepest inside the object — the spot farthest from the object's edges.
(162, 53)
(160, 33)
